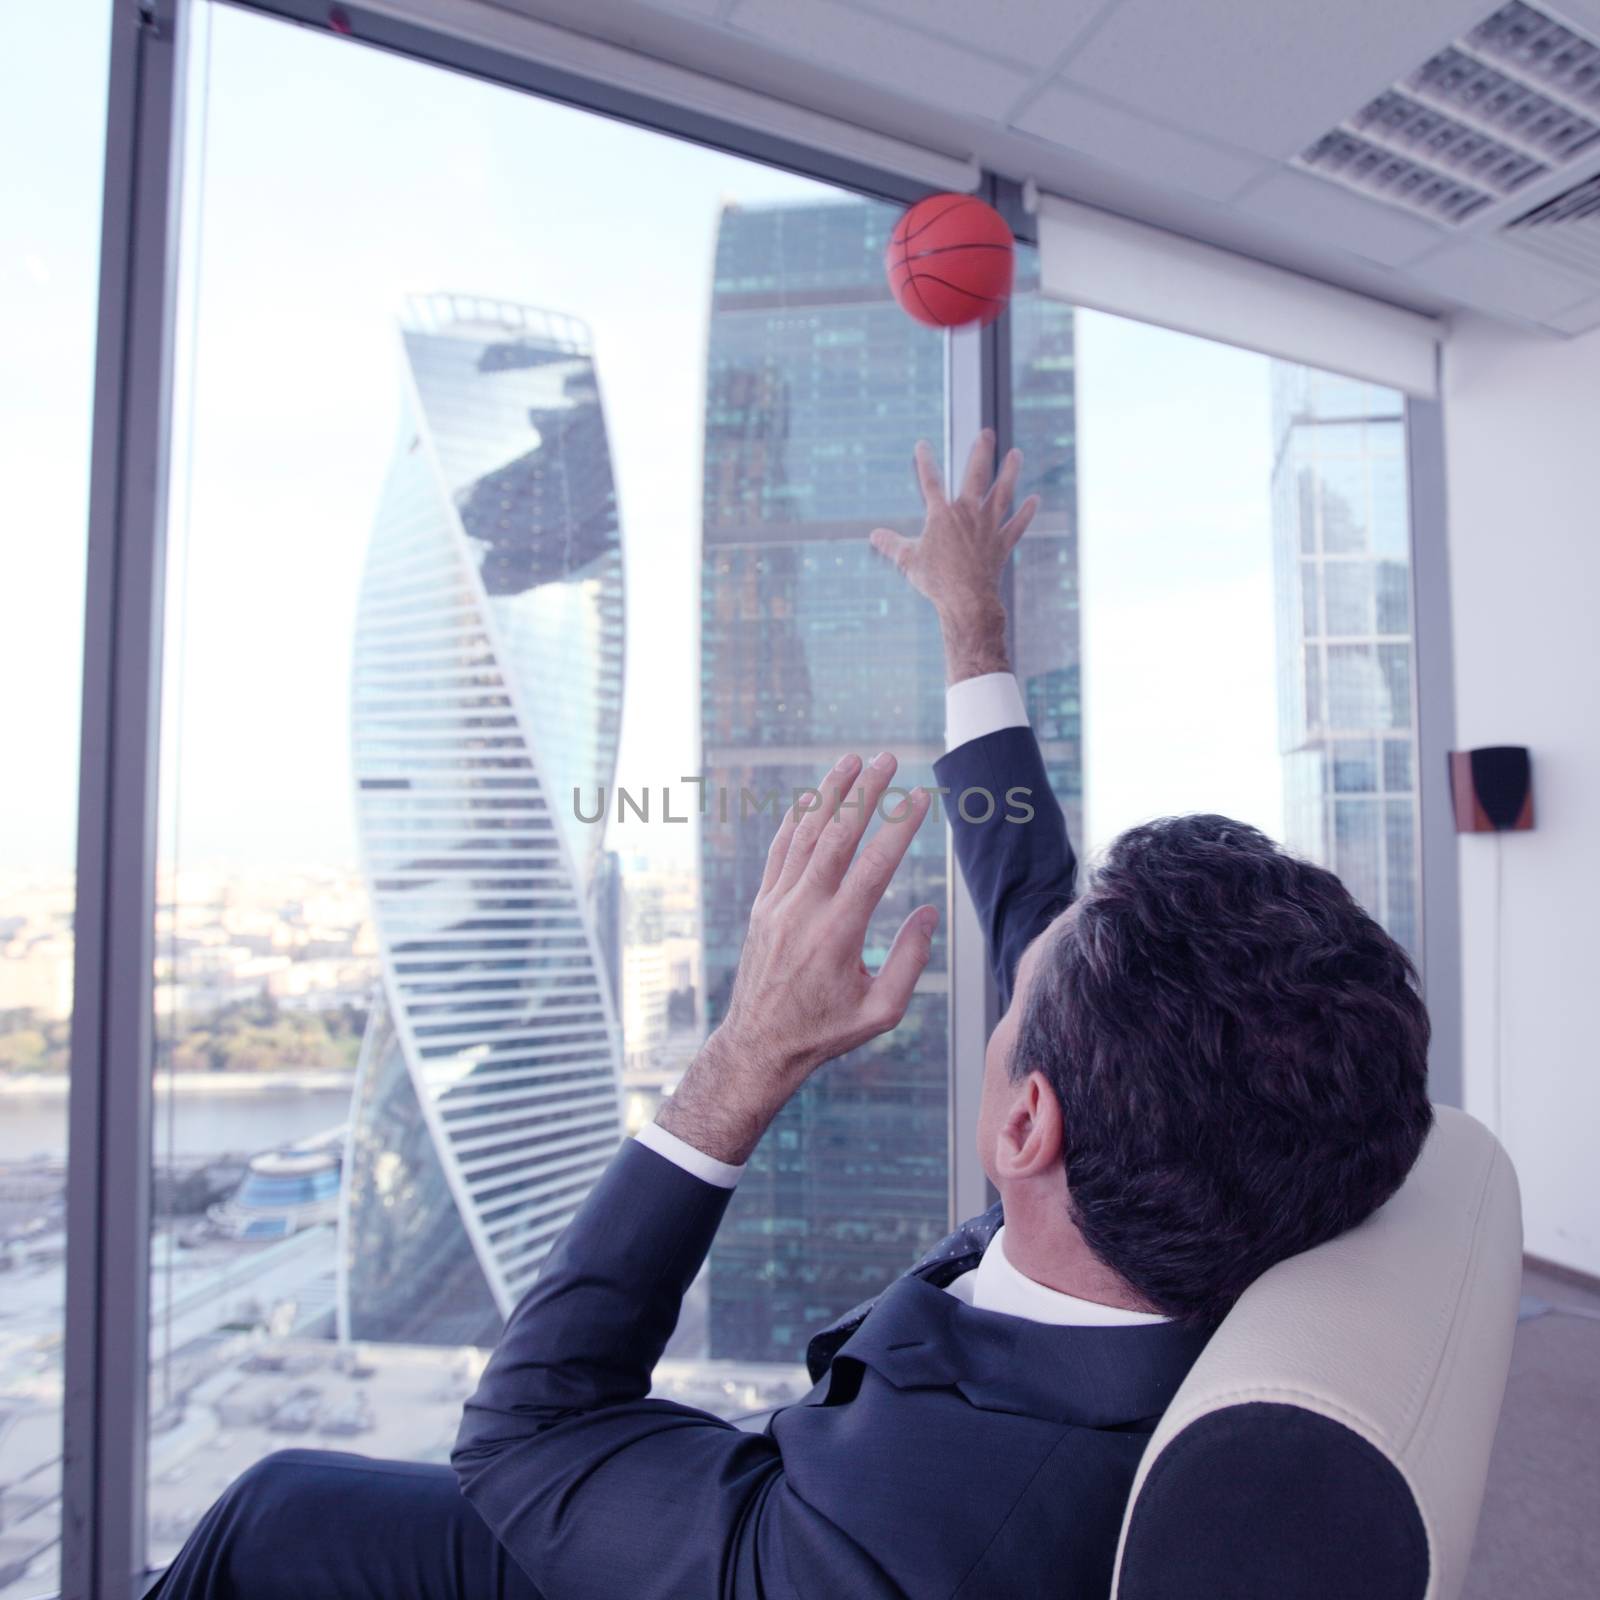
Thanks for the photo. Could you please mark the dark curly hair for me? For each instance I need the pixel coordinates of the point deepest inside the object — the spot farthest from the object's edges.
(1240, 1053)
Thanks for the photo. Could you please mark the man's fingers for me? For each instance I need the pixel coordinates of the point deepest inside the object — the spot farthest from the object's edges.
(980, 466)
(928, 475)
(891, 991)
(836, 847)
(778, 851)
(812, 817)
(866, 881)
(896, 547)
(998, 499)
(1013, 531)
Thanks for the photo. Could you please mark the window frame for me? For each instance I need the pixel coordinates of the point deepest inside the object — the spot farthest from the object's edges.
(1433, 716)
(105, 1369)
(111, 1089)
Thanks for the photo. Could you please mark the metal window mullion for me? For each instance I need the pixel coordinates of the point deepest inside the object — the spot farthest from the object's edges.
(970, 405)
(1434, 718)
(978, 395)
(108, 1184)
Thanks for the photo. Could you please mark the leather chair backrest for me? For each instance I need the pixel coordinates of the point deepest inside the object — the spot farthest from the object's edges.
(1333, 1438)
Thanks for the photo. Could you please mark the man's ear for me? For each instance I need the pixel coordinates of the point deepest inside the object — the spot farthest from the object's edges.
(1030, 1136)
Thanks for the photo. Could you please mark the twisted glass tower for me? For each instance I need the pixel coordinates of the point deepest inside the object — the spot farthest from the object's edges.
(487, 686)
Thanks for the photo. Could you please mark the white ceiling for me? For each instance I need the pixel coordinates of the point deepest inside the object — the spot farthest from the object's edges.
(1182, 113)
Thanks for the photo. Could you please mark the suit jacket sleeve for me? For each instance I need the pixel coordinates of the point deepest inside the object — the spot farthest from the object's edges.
(1018, 863)
(598, 1491)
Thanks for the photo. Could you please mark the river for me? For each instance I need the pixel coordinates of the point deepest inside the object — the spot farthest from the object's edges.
(191, 1123)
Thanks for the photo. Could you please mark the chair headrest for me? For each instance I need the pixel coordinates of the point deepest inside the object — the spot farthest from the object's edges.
(1334, 1436)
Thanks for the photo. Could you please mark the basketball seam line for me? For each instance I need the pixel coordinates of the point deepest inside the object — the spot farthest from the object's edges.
(971, 294)
(911, 284)
(943, 249)
(922, 227)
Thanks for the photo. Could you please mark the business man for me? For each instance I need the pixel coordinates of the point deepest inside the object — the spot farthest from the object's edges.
(1212, 1061)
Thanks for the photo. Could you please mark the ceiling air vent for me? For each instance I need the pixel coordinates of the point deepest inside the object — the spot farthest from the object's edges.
(1515, 99)
(1566, 229)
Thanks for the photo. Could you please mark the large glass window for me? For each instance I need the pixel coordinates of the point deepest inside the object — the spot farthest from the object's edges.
(1245, 552)
(519, 578)
(529, 466)
(52, 131)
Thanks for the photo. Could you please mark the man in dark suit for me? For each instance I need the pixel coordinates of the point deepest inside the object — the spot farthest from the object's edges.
(1211, 1061)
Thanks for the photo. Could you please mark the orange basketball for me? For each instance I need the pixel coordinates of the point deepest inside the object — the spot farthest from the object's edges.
(949, 261)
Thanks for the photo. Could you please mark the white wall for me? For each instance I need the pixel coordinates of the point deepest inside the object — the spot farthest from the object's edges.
(1522, 440)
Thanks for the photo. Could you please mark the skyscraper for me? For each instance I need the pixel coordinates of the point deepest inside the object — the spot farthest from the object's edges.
(487, 685)
(817, 386)
(1341, 532)
(1044, 599)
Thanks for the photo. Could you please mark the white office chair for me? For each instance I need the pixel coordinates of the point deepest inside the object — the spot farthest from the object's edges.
(1333, 1439)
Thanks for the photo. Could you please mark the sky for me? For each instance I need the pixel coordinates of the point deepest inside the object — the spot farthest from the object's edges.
(52, 133)
(311, 215)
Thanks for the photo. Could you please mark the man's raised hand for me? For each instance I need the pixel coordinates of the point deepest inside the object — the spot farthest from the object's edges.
(803, 994)
(965, 541)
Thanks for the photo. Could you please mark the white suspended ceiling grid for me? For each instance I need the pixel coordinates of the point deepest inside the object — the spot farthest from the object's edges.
(1279, 129)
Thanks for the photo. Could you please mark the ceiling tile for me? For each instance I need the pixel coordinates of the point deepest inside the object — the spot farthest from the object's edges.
(1034, 32)
(1263, 74)
(1493, 276)
(1576, 319)
(1072, 120)
(1338, 217)
(904, 59)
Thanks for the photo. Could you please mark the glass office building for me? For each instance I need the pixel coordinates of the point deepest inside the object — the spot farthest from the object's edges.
(817, 386)
(1341, 529)
(487, 687)
(1044, 579)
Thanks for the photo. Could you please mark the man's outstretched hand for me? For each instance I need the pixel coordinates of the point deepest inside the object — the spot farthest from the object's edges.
(962, 551)
(803, 994)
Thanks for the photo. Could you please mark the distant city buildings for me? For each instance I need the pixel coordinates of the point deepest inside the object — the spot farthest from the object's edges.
(660, 955)
(303, 939)
(817, 386)
(296, 943)
(36, 950)
(1342, 563)
(487, 687)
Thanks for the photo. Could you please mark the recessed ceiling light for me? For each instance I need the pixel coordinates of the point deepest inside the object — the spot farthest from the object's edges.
(1529, 42)
(1513, 100)
(1387, 175)
(1466, 86)
(1444, 142)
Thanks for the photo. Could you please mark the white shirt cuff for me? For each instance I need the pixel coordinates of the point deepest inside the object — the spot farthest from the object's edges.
(977, 706)
(683, 1154)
